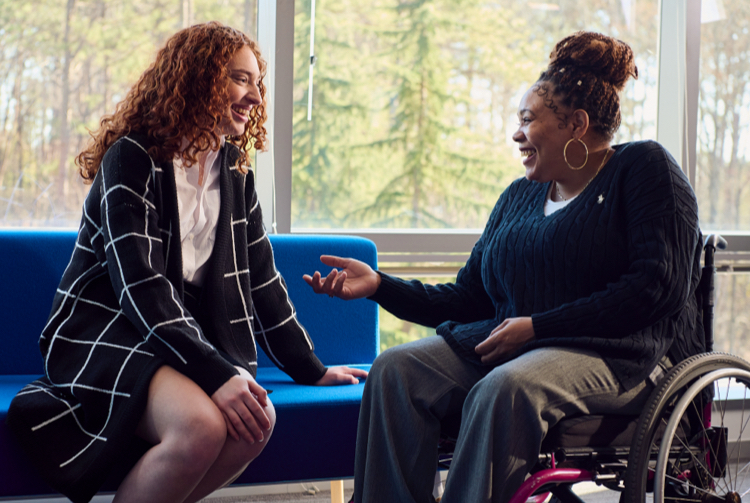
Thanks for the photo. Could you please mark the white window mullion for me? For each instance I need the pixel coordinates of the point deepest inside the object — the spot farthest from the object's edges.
(273, 172)
(679, 59)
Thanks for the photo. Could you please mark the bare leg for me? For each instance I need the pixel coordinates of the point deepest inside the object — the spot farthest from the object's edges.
(232, 461)
(191, 448)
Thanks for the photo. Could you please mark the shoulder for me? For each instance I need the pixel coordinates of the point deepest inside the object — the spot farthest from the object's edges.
(128, 158)
(651, 177)
(126, 149)
(645, 154)
(648, 161)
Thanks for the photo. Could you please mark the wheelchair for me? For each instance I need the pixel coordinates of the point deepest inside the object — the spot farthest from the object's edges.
(691, 443)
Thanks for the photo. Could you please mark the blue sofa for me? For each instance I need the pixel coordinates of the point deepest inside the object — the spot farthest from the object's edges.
(316, 427)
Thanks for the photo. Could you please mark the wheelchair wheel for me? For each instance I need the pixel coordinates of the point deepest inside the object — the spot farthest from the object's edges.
(693, 439)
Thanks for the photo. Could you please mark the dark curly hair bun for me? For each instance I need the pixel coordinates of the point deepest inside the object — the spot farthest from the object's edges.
(588, 71)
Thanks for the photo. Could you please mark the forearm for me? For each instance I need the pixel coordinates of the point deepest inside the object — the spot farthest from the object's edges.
(431, 305)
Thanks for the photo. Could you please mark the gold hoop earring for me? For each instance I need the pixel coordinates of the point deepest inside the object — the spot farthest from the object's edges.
(565, 154)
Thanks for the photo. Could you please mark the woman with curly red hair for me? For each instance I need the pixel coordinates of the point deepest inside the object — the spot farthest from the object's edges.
(150, 348)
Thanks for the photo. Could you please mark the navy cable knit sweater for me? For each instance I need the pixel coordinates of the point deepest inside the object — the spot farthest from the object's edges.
(615, 271)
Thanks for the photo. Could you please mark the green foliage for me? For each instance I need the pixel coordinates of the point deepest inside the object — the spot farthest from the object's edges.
(63, 65)
(414, 103)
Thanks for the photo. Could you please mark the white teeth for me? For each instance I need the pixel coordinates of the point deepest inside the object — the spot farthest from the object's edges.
(527, 153)
(242, 111)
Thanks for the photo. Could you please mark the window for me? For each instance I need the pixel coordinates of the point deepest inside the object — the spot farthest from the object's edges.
(404, 119)
(722, 178)
(723, 146)
(62, 66)
(412, 108)
(732, 316)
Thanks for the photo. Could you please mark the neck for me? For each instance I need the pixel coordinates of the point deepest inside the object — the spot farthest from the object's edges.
(576, 181)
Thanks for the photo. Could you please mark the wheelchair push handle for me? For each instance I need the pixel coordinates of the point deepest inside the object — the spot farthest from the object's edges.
(712, 243)
(707, 286)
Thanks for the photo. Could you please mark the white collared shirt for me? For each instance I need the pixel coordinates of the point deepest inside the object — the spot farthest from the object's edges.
(199, 214)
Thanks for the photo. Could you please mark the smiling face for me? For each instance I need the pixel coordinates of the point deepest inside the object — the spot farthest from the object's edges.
(541, 138)
(243, 90)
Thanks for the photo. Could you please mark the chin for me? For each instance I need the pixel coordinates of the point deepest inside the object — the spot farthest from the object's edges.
(233, 130)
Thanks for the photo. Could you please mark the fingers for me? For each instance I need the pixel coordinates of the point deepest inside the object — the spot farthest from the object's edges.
(324, 286)
(238, 400)
(493, 356)
(309, 279)
(487, 345)
(341, 375)
(330, 281)
(250, 421)
(357, 372)
(332, 285)
(334, 261)
(339, 286)
(261, 395)
(230, 427)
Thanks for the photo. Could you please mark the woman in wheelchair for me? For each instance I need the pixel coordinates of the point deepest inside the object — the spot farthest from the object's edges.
(576, 297)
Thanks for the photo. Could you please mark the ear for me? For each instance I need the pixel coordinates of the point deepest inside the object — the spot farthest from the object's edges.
(579, 119)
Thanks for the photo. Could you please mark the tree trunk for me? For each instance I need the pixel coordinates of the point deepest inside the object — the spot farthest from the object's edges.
(62, 169)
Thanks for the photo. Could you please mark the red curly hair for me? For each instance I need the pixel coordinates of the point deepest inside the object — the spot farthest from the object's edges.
(183, 94)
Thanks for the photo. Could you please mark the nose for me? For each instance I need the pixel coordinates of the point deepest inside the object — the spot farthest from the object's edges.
(253, 94)
(518, 136)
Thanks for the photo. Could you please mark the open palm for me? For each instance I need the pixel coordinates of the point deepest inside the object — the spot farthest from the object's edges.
(350, 278)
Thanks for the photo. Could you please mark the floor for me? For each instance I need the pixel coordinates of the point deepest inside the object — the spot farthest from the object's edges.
(313, 493)
(590, 493)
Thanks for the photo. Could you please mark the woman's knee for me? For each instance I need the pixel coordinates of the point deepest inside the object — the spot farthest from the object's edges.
(201, 438)
(501, 388)
(270, 411)
(239, 453)
(182, 420)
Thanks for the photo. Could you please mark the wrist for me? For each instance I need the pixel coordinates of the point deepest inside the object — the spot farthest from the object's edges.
(378, 280)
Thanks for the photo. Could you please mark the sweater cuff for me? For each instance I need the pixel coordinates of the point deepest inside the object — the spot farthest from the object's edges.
(545, 325)
(387, 284)
(306, 371)
(214, 374)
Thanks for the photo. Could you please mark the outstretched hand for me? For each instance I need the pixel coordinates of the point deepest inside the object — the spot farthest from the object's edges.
(506, 338)
(355, 280)
(341, 375)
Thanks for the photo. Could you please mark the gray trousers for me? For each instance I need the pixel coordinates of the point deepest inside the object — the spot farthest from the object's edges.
(505, 413)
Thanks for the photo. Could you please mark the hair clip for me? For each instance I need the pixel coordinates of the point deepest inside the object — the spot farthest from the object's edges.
(562, 70)
(580, 82)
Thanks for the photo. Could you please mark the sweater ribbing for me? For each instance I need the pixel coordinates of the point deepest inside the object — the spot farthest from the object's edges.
(615, 271)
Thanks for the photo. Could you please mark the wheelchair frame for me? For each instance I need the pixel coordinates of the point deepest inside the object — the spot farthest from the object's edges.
(673, 448)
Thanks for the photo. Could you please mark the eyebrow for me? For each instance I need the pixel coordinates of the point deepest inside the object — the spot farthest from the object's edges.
(525, 110)
(246, 72)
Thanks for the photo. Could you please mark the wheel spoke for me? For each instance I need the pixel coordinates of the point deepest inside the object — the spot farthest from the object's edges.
(700, 489)
(696, 463)
(721, 408)
(743, 425)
